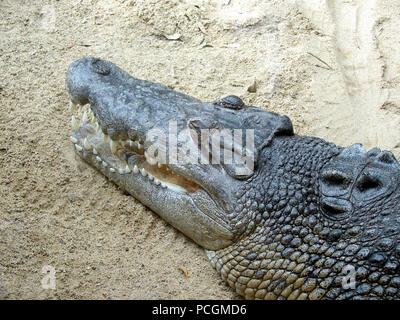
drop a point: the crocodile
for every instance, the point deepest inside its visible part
(295, 217)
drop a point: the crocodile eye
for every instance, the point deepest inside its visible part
(101, 67)
(230, 102)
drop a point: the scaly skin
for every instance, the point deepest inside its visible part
(310, 218)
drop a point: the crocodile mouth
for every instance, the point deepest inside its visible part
(123, 156)
(112, 115)
(178, 199)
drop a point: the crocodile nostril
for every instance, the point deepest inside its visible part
(376, 180)
(335, 178)
(367, 183)
(333, 210)
(336, 208)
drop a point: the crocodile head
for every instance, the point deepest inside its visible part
(133, 131)
(280, 216)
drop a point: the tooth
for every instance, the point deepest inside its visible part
(84, 117)
(143, 172)
(87, 145)
(131, 143)
(150, 177)
(121, 171)
(74, 123)
(104, 164)
(78, 147)
(158, 164)
(112, 170)
(127, 169)
(94, 151)
(98, 159)
(135, 169)
(139, 146)
(156, 182)
(73, 139)
(113, 146)
(163, 185)
(71, 106)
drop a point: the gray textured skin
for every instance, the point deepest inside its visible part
(284, 232)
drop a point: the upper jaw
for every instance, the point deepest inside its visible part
(124, 110)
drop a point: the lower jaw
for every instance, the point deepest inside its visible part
(179, 201)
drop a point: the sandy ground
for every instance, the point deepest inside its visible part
(332, 66)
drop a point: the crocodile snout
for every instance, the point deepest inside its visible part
(355, 177)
